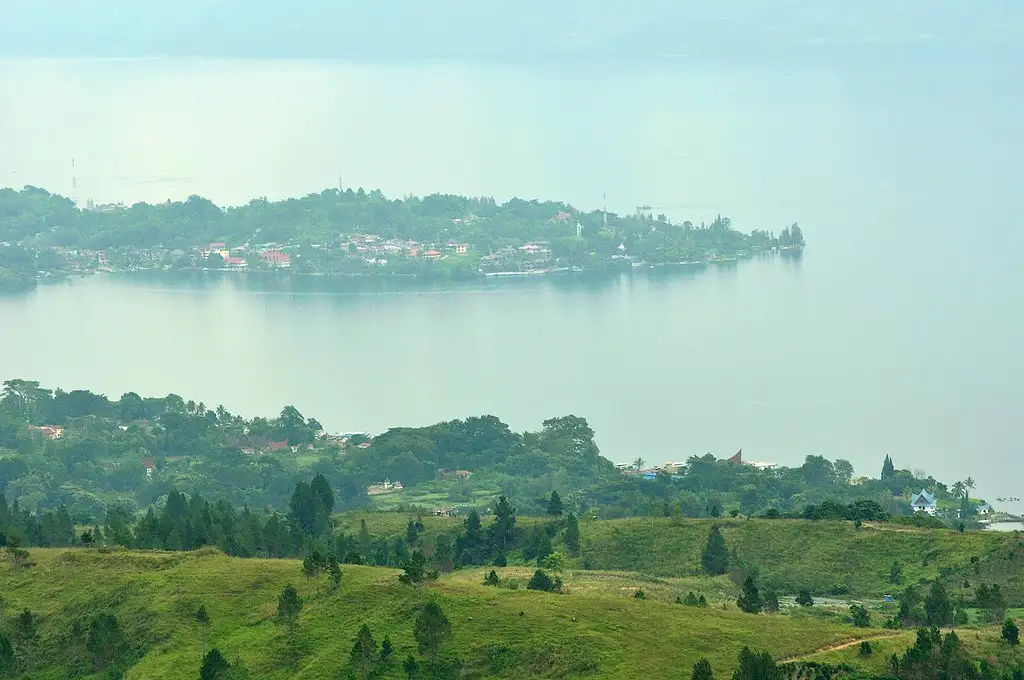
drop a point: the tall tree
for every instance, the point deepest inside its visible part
(431, 630)
(555, 505)
(938, 607)
(715, 558)
(750, 599)
(289, 604)
(502, 531)
(756, 666)
(364, 652)
(1011, 633)
(888, 469)
(571, 535)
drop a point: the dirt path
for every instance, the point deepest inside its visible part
(841, 645)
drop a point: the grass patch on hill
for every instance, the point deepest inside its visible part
(597, 630)
(831, 558)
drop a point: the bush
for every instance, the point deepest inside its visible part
(865, 648)
(541, 581)
(1011, 633)
(804, 598)
(860, 616)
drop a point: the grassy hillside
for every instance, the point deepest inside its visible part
(596, 630)
(829, 557)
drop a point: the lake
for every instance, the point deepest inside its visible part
(899, 329)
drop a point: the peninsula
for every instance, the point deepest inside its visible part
(355, 233)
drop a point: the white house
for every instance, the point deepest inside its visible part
(923, 502)
(985, 509)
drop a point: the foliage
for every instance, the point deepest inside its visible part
(289, 604)
(364, 654)
(715, 558)
(542, 581)
(859, 616)
(937, 605)
(431, 630)
(555, 508)
(702, 670)
(571, 535)
(804, 598)
(1011, 633)
(416, 570)
(750, 599)
(215, 666)
(756, 666)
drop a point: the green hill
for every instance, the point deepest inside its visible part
(830, 558)
(598, 629)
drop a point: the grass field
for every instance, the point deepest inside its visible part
(830, 558)
(598, 629)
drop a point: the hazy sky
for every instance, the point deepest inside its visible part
(523, 28)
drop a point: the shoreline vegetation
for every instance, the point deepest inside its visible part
(356, 234)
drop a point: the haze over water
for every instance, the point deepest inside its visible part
(898, 331)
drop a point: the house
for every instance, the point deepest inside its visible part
(459, 248)
(432, 254)
(235, 262)
(984, 509)
(275, 258)
(923, 502)
(277, 446)
(150, 466)
(48, 431)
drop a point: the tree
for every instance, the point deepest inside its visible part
(756, 666)
(702, 670)
(386, 649)
(571, 535)
(105, 639)
(431, 631)
(843, 470)
(6, 655)
(492, 579)
(938, 608)
(715, 558)
(771, 600)
(750, 599)
(411, 667)
(888, 469)
(333, 571)
(803, 598)
(289, 604)
(896, 573)
(416, 571)
(364, 652)
(502, 531)
(639, 463)
(215, 666)
(26, 627)
(203, 619)
(1011, 633)
(312, 565)
(860, 616)
(555, 505)
(541, 581)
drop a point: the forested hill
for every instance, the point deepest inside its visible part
(37, 217)
(89, 453)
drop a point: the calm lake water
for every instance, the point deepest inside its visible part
(898, 331)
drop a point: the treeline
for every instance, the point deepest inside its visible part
(132, 451)
(42, 218)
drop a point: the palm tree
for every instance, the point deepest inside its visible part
(969, 485)
(639, 463)
(958, 489)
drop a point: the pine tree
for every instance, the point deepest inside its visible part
(715, 558)
(289, 604)
(215, 666)
(750, 599)
(386, 649)
(364, 652)
(702, 670)
(888, 469)
(571, 535)
(203, 619)
(555, 505)
(431, 630)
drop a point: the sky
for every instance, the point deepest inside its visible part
(497, 28)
